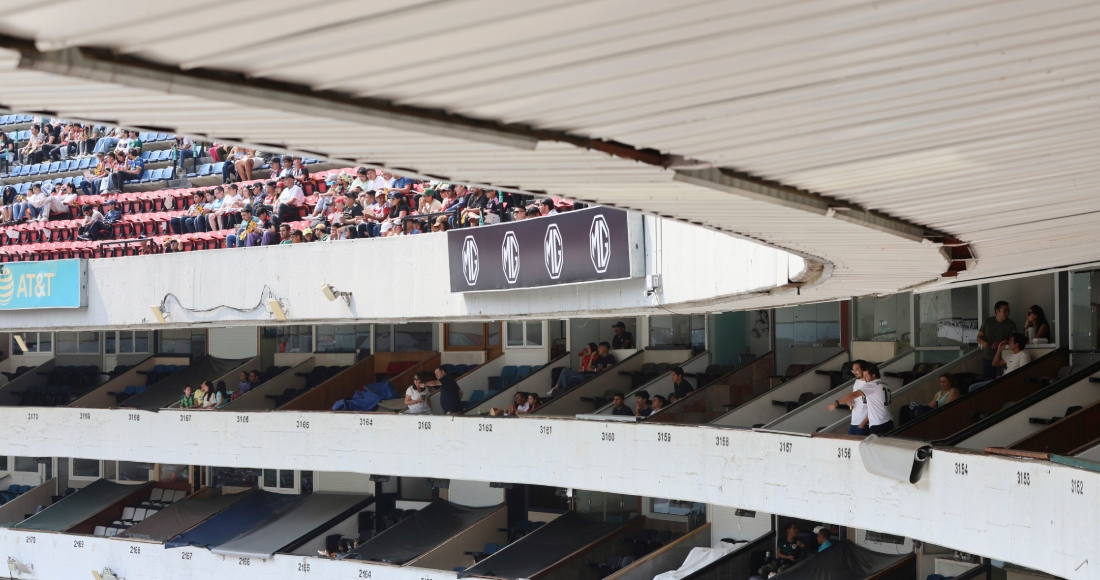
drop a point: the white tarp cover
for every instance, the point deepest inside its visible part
(699, 557)
(900, 459)
(316, 511)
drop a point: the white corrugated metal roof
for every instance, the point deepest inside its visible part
(973, 118)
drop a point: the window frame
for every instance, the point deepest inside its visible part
(524, 333)
(72, 469)
(465, 347)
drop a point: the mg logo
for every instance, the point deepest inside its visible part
(599, 244)
(509, 257)
(470, 261)
(553, 254)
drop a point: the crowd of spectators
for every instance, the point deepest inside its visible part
(210, 396)
(796, 547)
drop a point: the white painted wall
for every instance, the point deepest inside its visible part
(474, 493)
(725, 523)
(294, 274)
(237, 342)
(1051, 524)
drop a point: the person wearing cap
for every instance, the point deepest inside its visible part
(92, 227)
(439, 224)
(428, 203)
(399, 208)
(270, 236)
(622, 338)
(320, 233)
(111, 212)
(289, 200)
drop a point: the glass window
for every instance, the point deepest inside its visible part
(26, 465)
(279, 478)
(37, 342)
(494, 333)
(524, 333)
(128, 341)
(176, 341)
(110, 341)
(66, 343)
(948, 317)
(85, 468)
(295, 338)
(134, 471)
(383, 338)
(343, 338)
(412, 336)
(174, 473)
(3, 462)
(141, 342)
(88, 342)
(676, 507)
(544, 498)
(469, 335)
(882, 318)
(678, 330)
(307, 482)
(234, 477)
(808, 325)
(415, 489)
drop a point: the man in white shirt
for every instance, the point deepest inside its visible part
(1016, 358)
(875, 395)
(378, 183)
(32, 150)
(859, 410)
(291, 198)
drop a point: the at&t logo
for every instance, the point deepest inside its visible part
(509, 257)
(470, 262)
(553, 254)
(599, 244)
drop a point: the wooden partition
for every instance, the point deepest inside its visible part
(101, 397)
(17, 509)
(718, 398)
(256, 399)
(570, 403)
(539, 381)
(666, 558)
(761, 410)
(493, 528)
(575, 566)
(970, 408)
(1072, 434)
(662, 383)
(341, 386)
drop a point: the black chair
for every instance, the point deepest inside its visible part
(792, 405)
(20, 371)
(837, 378)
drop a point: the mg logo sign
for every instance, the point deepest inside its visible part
(509, 257)
(470, 261)
(553, 254)
(599, 243)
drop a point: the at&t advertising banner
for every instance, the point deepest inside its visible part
(51, 284)
(588, 245)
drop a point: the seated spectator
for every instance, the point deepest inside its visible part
(176, 224)
(307, 235)
(131, 171)
(221, 395)
(243, 385)
(824, 541)
(533, 212)
(672, 398)
(290, 199)
(187, 401)
(32, 208)
(172, 246)
(659, 402)
(618, 405)
(249, 232)
(520, 404)
(428, 203)
(416, 398)
(270, 236)
(533, 403)
(519, 213)
(641, 407)
(790, 551)
(93, 227)
(569, 378)
(995, 329)
(297, 237)
(60, 200)
(206, 398)
(949, 391)
(1017, 357)
(680, 385)
(184, 149)
(450, 394)
(622, 338)
(1036, 325)
(546, 207)
(320, 233)
(440, 224)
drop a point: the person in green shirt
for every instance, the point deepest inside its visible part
(135, 142)
(188, 399)
(995, 329)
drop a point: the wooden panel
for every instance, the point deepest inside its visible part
(721, 396)
(341, 386)
(101, 397)
(968, 409)
(1065, 436)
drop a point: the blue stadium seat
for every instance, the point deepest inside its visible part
(85, 163)
(217, 168)
(205, 169)
(507, 377)
(523, 372)
(476, 398)
(54, 167)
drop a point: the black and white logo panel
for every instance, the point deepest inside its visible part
(509, 257)
(553, 253)
(588, 245)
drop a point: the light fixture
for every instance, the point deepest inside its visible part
(438, 483)
(276, 309)
(380, 478)
(18, 568)
(106, 574)
(22, 343)
(500, 485)
(332, 294)
(159, 313)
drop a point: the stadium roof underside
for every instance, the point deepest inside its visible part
(902, 144)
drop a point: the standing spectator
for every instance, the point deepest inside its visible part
(1036, 325)
(996, 328)
(416, 398)
(859, 422)
(618, 406)
(876, 396)
(450, 394)
(642, 407)
(622, 338)
(680, 385)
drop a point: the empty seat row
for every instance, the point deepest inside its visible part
(15, 119)
(510, 375)
(14, 491)
(133, 515)
(127, 393)
(51, 396)
(162, 498)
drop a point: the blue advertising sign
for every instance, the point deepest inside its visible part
(51, 284)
